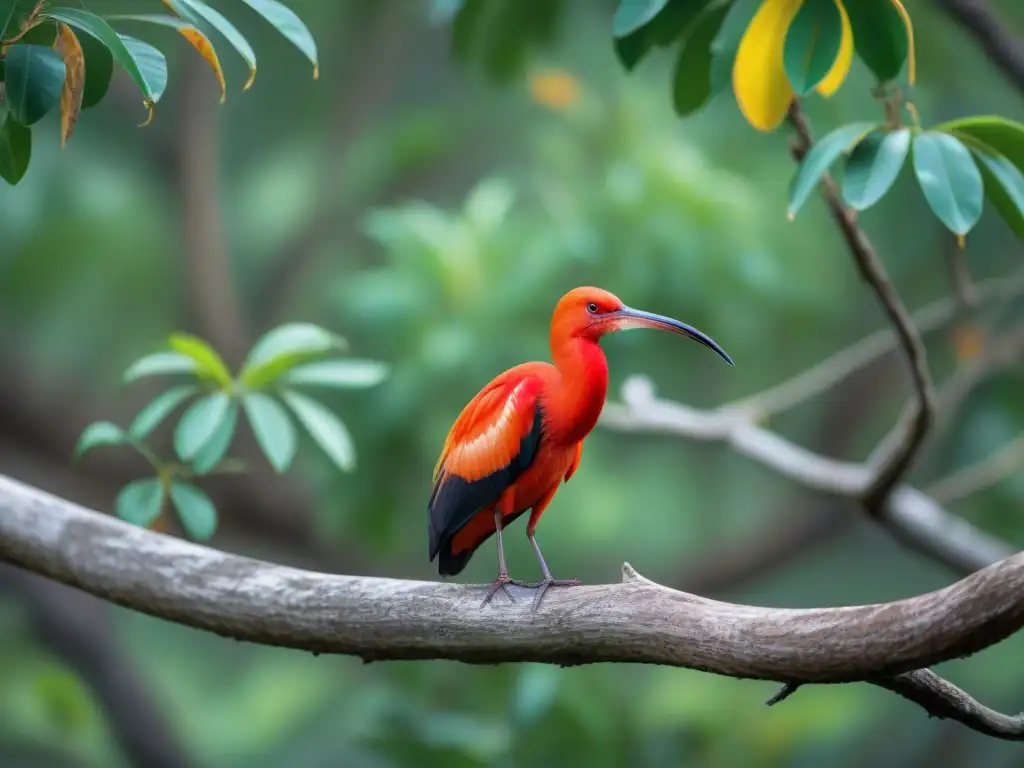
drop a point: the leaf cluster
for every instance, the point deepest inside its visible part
(54, 53)
(284, 361)
(957, 165)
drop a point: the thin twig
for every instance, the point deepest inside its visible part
(899, 453)
(994, 35)
(633, 621)
(911, 516)
(981, 475)
(822, 376)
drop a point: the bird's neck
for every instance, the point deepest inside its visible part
(581, 389)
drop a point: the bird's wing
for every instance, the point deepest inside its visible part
(575, 462)
(490, 444)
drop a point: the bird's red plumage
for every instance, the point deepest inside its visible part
(522, 435)
(486, 435)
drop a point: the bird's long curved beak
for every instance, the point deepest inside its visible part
(627, 317)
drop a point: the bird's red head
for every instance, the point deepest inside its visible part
(590, 313)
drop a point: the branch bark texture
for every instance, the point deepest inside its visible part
(634, 621)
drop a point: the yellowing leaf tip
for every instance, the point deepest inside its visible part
(149, 105)
(252, 77)
(911, 59)
(316, 72)
(840, 69)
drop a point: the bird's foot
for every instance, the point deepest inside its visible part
(502, 583)
(542, 588)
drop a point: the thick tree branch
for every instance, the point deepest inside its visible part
(896, 453)
(992, 33)
(912, 516)
(635, 621)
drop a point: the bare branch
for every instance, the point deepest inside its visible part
(823, 376)
(635, 621)
(993, 34)
(897, 453)
(999, 355)
(796, 526)
(943, 699)
(980, 475)
(912, 516)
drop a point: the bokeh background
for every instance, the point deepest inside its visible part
(433, 217)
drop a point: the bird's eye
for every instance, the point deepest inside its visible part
(591, 307)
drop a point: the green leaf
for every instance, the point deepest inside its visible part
(205, 356)
(879, 36)
(144, 64)
(213, 450)
(691, 85)
(274, 431)
(284, 20)
(199, 423)
(100, 433)
(99, 68)
(196, 511)
(873, 166)
(140, 501)
(151, 57)
(15, 149)
(7, 10)
(35, 78)
(325, 428)
(633, 14)
(1004, 184)
(999, 133)
(158, 363)
(285, 347)
(152, 64)
(158, 409)
(727, 41)
(198, 12)
(343, 374)
(817, 162)
(812, 44)
(949, 179)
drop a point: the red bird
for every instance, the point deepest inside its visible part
(522, 435)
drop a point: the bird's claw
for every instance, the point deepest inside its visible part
(542, 588)
(502, 583)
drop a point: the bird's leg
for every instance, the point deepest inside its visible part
(503, 580)
(548, 581)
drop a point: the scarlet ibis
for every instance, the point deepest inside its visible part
(522, 436)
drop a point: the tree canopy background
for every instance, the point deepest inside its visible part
(433, 216)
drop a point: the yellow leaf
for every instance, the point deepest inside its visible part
(149, 113)
(759, 80)
(911, 61)
(554, 88)
(202, 43)
(67, 45)
(844, 59)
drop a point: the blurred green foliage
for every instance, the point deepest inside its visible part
(460, 213)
